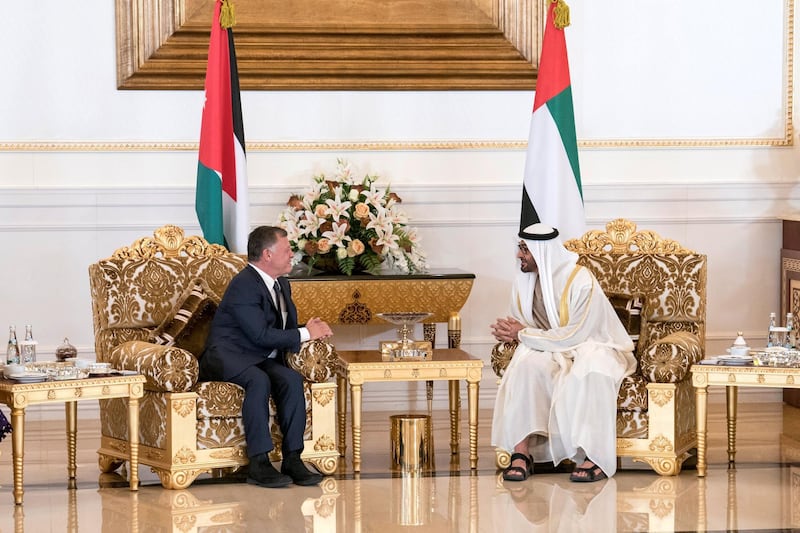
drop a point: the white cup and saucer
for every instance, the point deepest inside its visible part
(739, 351)
(738, 354)
(13, 370)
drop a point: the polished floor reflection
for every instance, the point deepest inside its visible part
(761, 494)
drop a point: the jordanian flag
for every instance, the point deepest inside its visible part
(221, 201)
(551, 192)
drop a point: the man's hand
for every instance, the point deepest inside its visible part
(506, 329)
(318, 329)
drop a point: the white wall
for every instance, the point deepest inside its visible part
(85, 168)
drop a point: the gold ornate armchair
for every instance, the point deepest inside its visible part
(658, 289)
(152, 304)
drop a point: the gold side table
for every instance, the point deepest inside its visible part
(18, 396)
(354, 368)
(732, 377)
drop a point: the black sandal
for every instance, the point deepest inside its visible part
(593, 473)
(517, 472)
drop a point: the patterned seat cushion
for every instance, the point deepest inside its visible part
(669, 359)
(314, 361)
(188, 323)
(166, 368)
(219, 415)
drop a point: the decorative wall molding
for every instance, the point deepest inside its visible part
(402, 146)
(430, 205)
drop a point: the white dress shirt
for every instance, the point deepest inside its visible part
(270, 283)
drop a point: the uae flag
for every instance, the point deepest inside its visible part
(221, 200)
(551, 192)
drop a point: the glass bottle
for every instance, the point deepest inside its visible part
(790, 334)
(771, 331)
(12, 352)
(28, 346)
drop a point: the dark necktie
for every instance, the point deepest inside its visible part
(279, 302)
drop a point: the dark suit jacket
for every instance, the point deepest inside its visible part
(247, 327)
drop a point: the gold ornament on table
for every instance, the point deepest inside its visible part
(343, 224)
(405, 348)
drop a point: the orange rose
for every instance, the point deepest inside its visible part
(361, 211)
(324, 246)
(321, 210)
(355, 247)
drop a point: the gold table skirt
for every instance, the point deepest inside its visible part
(358, 299)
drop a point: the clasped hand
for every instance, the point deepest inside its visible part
(318, 329)
(506, 329)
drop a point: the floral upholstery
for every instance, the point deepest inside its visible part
(658, 289)
(152, 304)
(669, 359)
(166, 368)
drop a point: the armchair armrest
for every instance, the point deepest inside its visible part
(669, 359)
(166, 368)
(315, 360)
(502, 352)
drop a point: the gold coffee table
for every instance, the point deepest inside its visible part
(732, 377)
(18, 396)
(358, 367)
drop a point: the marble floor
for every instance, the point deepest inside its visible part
(762, 493)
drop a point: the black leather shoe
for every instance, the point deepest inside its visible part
(262, 473)
(293, 467)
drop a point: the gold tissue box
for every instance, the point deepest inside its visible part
(410, 351)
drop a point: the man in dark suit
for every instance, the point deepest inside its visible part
(253, 328)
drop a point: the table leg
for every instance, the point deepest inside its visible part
(133, 442)
(18, 449)
(472, 399)
(429, 334)
(701, 398)
(455, 408)
(355, 402)
(341, 412)
(731, 395)
(429, 394)
(71, 412)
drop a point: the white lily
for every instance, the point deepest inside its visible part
(310, 225)
(388, 239)
(343, 171)
(336, 207)
(338, 235)
(396, 215)
(374, 196)
(380, 221)
(293, 231)
(311, 196)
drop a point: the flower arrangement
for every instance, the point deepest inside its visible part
(345, 224)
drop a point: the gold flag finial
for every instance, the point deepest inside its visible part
(560, 14)
(227, 16)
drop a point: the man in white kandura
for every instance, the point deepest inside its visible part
(558, 397)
